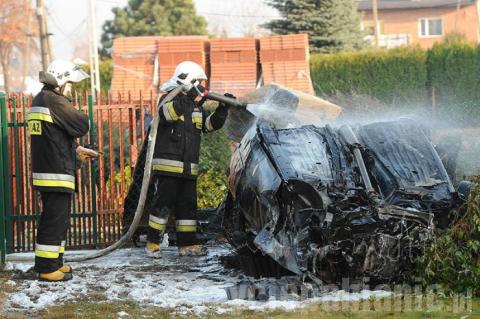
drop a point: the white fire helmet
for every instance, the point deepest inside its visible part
(62, 72)
(188, 74)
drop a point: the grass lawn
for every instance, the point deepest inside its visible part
(96, 307)
(360, 310)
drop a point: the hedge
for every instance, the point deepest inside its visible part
(454, 72)
(407, 75)
(393, 76)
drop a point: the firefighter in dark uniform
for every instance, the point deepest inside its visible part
(53, 125)
(175, 163)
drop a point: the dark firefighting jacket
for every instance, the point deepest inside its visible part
(182, 122)
(53, 124)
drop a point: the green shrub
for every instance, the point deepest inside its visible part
(214, 159)
(106, 74)
(454, 258)
(454, 72)
(212, 188)
(396, 76)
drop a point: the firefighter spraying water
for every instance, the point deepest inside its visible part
(171, 153)
(176, 157)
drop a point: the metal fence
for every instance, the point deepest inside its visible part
(117, 127)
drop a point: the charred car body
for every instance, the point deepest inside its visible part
(331, 203)
(322, 201)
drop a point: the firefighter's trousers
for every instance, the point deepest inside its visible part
(52, 231)
(174, 196)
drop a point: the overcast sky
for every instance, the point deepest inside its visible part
(67, 20)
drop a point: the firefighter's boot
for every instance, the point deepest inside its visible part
(153, 250)
(54, 276)
(66, 269)
(192, 250)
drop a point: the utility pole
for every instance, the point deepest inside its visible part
(49, 46)
(26, 50)
(44, 47)
(93, 50)
(375, 21)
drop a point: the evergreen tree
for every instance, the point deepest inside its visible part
(153, 17)
(332, 25)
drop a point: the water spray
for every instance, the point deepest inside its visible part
(147, 173)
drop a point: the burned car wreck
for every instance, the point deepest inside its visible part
(334, 202)
(317, 199)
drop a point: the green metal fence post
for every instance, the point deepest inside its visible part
(3, 243)
(93, 175)
(6, 178)
(16, 207)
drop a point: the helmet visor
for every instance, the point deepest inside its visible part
(77, 75)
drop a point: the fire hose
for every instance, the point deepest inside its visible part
(143, 193)
(147, 174)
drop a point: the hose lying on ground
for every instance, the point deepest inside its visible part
(143, 193)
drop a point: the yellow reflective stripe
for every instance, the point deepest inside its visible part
(158, 220)
(53, 183)
(186, 229)
(168, 168)
(39, 109)
(173, 166)
(157, 223)
(197, 117)
(165, 165)
(198, 123)
(194, 169)
(167, 162)
(156, 226)
(186, 222)
(62, 246)
(171, 111)
(47, 247)
(54, 176)
(47, 254)
(39, 116)
(166, 114)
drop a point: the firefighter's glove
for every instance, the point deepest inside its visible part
(86, 153)
(224, 105)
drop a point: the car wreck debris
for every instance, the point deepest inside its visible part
(328, 203)
(324, 201)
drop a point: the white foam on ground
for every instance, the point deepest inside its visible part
(187, 285)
